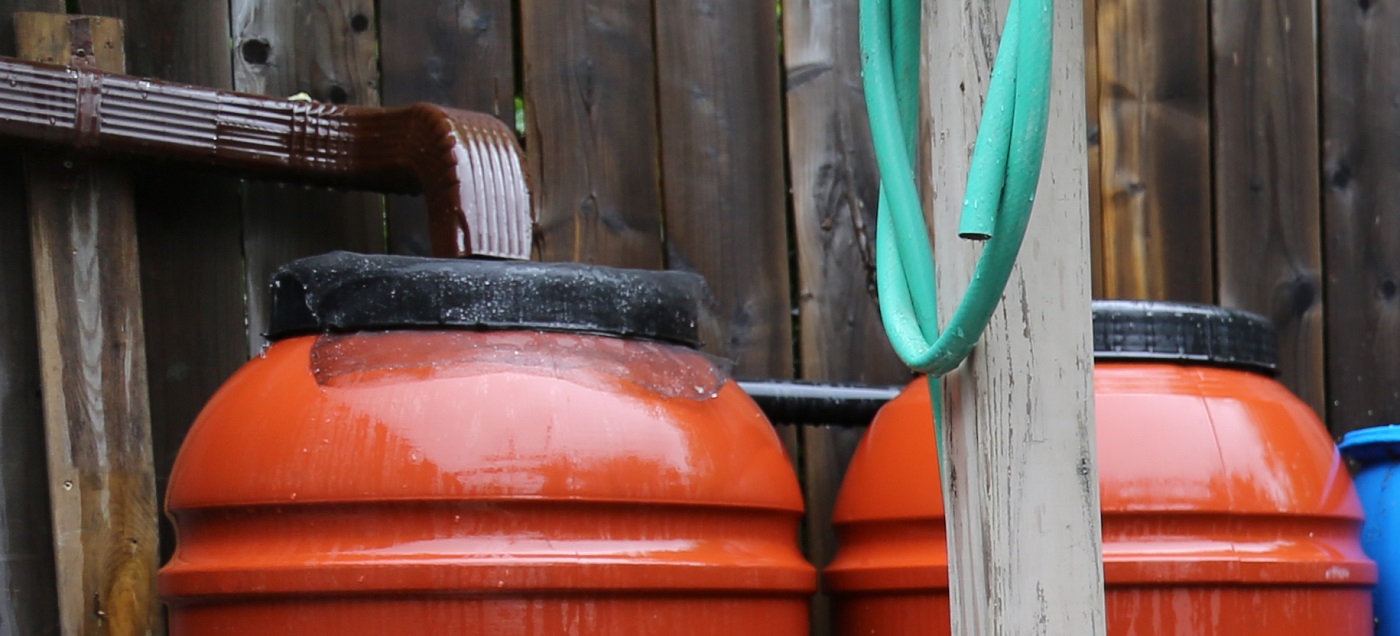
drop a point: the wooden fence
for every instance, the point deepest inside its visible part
(1240, 153)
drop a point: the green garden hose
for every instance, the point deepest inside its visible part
(1001, 184)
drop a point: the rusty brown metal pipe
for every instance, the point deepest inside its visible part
(467, 165)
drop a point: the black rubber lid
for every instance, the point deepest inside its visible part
(341, 292)
(1182, 332)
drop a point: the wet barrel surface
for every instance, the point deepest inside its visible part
(1226, 508)
(491, 479)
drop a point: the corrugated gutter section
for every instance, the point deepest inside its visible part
(467, 165)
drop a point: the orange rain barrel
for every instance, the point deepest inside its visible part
(468, 447)
(1226, 508)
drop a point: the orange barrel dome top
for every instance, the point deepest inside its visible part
(1226, 508)
(467, 447)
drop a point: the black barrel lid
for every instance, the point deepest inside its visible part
(342, 291)
(1183, 332)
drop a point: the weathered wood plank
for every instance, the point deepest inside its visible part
(28, 604)
(1155, 144)
(159, 36)
(1023, 501)
(591, 130)
(835, 192)
(190, 236)
(327, 49)
(1361, 166)
(457, 53)
(92, 351)
(1268, 214)
(722, 172)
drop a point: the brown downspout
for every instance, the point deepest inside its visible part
(467, 165)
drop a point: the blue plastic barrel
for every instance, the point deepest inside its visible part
(1377, 452)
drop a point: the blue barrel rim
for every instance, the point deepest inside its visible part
(1373, 444)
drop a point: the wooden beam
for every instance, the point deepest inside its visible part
(87, 284)
(1023, 497)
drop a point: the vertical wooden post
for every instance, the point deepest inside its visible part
(191, 237)
(92, 353)
(1023, 497)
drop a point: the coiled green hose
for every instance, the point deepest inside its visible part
(1001, 184)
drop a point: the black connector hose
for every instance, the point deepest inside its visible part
(794, 402)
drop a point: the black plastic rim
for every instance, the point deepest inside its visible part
(343, 292)
(1183, 332)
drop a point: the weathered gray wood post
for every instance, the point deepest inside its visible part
(1023, 497)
